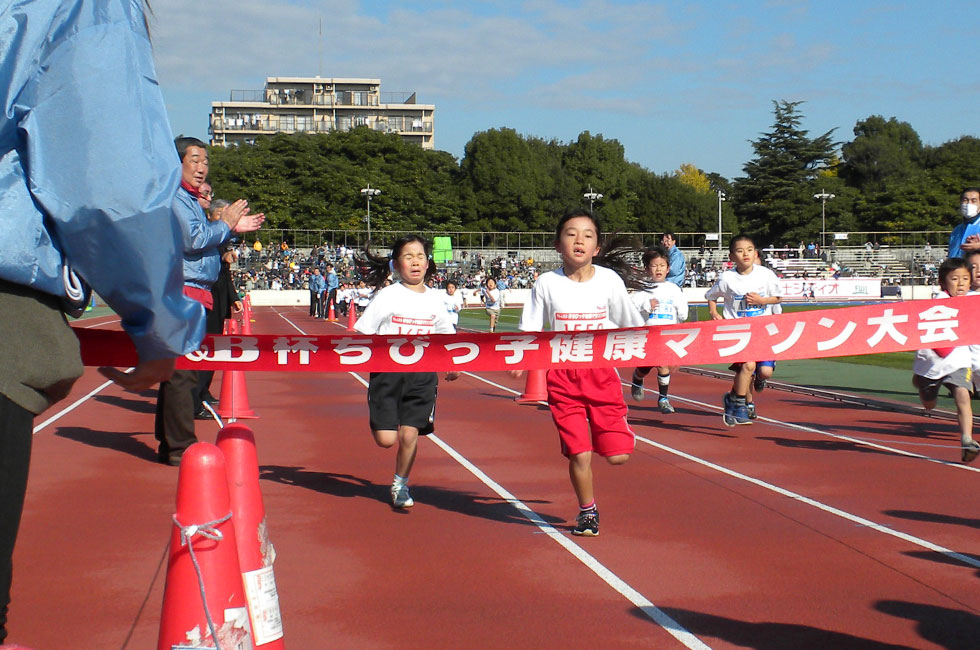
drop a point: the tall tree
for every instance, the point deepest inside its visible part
(774, 200)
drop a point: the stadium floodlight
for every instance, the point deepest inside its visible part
(369, 192)
(823, 196)
(592, 197)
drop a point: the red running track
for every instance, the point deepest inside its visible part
(812, 528)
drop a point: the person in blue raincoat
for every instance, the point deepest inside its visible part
(88, 175)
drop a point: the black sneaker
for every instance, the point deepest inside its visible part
(759, 384)
(587, 524)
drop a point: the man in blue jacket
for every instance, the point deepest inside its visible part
(316, 293)
(88, 176)
(965, 238)
(202, 240)
(331, 284)
(675, 257)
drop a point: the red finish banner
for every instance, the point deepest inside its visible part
(889, 327)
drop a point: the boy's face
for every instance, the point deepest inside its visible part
(743, 255)
(657, 269)
(957, 283)
(974, 262)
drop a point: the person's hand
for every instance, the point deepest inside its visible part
(143, 376)
(237, 307)
(972, 239)
(452, 375)
(754, 299)
(716, 316)
(233, 213)
(250, 222)
(653, 304)
(515, 374)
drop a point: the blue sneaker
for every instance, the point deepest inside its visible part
(729, 416)
(736, 411)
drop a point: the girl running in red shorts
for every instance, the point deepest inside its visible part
(587, 405)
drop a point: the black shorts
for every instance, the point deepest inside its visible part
(397, 398)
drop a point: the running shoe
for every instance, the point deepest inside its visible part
(636, 390)
(971, 451)
(400, 498)
(750, 409)
(665, 406)
(587, 524)
(759, 383)
(728, 417)
(740, 412)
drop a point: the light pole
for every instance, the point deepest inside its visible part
(721, 197)
(370, 193)
(592, 197)
(823, 196)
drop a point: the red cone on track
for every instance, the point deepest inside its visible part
(233, 388)
(535, 389)
(351, 316)
(255, 552)
(203, 510)
(331, 315)
(246, 322)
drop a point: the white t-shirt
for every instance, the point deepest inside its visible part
(453, 304)
(671, 304)
(491, 298)
(397, 309)
(566, 305)
(733, 286)
(363, 296)
(929, 364)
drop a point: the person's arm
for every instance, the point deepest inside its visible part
(107, 184)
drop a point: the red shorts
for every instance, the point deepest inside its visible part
(589, 410)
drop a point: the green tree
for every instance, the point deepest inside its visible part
(774, 198)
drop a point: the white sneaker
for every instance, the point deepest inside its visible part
(400, 497)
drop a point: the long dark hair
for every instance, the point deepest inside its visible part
(616, 252)
(375, 269)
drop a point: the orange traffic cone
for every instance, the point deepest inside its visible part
(331, 316)
(255, 552)
(246, 322)
(203, 601)
(535, 389)
(351, 316)
(233, 389)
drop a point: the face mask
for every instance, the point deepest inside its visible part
(969, 210)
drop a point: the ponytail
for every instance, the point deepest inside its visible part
(619, 254)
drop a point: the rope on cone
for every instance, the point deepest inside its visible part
(208, 530)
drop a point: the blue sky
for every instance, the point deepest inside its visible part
(674, 82)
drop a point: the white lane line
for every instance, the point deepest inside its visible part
(918, 541)
(858, 441)
(965, 559)
(69, 409)
(660, 617)
(108, 322)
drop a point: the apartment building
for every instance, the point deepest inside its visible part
(319, 105)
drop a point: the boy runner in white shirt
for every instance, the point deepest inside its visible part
(661, 304)
(748, 290)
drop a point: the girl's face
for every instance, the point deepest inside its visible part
(974, 262)
(412, 263)
(450, 289)
(657, 269)
(491, 284)
(957, 282)
(578, 242)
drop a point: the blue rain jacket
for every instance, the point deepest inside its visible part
(88, 169)
(202, 239)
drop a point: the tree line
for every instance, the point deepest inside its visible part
(884, 179)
